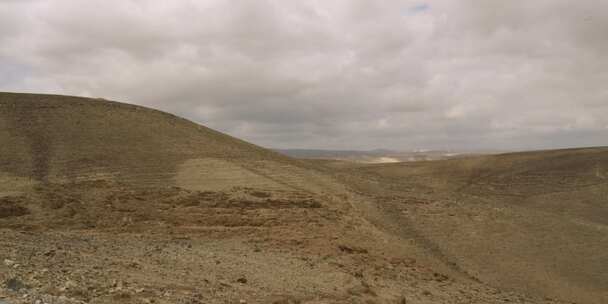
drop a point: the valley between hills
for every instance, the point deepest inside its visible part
(106, 202)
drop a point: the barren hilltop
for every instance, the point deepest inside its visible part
(104, 202)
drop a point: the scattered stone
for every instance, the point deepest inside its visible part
(241, 301)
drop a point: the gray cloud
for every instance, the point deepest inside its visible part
(330, 74)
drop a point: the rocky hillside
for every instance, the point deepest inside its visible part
(102, 202)
(535, 222)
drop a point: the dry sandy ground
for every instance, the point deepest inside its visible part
(97, 242)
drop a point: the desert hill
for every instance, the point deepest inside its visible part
(531, 221)
(103, 202)
(51, 138)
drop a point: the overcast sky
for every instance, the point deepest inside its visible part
(465, 74)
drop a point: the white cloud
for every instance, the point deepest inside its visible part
(330, 74)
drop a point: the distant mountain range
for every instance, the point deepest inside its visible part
(380, 155)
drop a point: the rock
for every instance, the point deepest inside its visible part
(440, 277)
(14, 285)
(358, 290)
(352, 249)
(242, 280)
(241, 301)
(224, 283)
(9, 263)
(361, 289)
(69, 284)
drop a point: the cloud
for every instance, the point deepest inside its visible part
(330, 74)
